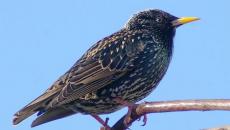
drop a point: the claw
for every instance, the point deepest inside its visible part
(101, 121)
(144, 120)
(107, 121)
(128, 115)
(130, 107)
(145, 117)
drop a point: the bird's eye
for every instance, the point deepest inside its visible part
(158, 19)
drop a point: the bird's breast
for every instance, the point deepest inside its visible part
(150, 66)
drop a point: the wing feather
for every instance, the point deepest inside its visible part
(105, 62)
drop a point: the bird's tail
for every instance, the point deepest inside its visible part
(39, 104)
(25, 113)
(53, 114)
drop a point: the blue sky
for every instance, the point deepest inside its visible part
(40, 40)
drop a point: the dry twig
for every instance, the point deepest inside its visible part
(219, 128)
(172, 106)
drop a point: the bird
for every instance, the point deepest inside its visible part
(127, 65)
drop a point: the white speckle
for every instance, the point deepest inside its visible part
(138, 37)
(132, 75)
(132, 40)
(122, 46)
(141, 61)
(122, 86)
(156, 48)
(116, 90)
(107, 99)
(111, 60)
(119, 93)
(136, 82)
(141, 68)
(103, 92)
(125, 38)
(116, 42)
(123, 42)
(149, 65)
(100, 101)
(126, 82)
(109, 45)
(155, 39)
(113, 94)
(117, 49)
(120, 57)
(111, 52)
(151, 60)
(104, 54)
(136, 57)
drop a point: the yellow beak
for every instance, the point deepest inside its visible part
(183, 20)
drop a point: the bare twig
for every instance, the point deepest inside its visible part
(219, 128)
(172, 106)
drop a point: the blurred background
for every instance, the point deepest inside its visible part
(41, 40)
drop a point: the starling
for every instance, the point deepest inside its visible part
(128, 64)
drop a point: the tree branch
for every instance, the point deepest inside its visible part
(219, 128)
(172, 106)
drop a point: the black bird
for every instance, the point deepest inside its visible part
(128, 65)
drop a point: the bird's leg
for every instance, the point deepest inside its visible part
(145, 119)
(130, 107)
(101, 121)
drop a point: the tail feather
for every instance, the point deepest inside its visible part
(51, 115)
(41, 103)
(24, 113)
(33, 107)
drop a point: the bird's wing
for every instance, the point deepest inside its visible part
(107, 61)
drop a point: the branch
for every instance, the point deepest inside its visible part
(219, 128)
(171, 106)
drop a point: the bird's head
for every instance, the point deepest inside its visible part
(157, 20)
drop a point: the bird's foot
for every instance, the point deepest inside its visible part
(128, 116)
(101, 121)
(130, 106)
(144, 120)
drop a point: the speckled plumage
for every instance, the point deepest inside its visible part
(128, 64)
(138, 67)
